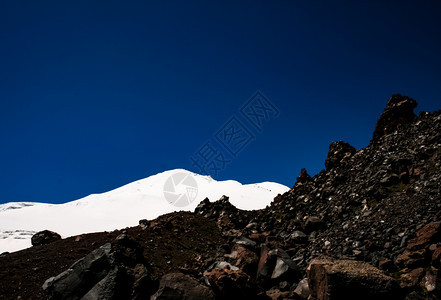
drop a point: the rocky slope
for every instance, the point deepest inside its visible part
(368, 226)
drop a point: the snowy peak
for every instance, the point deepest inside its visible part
(146, 198)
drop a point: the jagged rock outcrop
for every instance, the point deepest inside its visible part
(339, 152)
(304, 177)
(227, 216)
(398, 113)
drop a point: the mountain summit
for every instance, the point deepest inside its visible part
(143, 199)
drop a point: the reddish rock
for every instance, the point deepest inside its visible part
(411, 258)
(275, 294)
(436, 257)
(412, 278)
(243, 258)
(260, 237)
(180, 286)
(428, 234)
(347, 279)
(386, 264)
(233, 284)
(263, 266)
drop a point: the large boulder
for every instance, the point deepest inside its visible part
(232, 284)
(275, 266)
(398, 112)
(348, 279)
(285, 268)
(302, 289)
(243, 258)
(44, 237)
(179, 286)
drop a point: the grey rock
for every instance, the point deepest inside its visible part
(298, 237)
(113, 271)
(244, 241)
(302, 289)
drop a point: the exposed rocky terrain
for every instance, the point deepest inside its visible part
(368, 226)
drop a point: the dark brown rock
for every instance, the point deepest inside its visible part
(426, 235)
(338, 153)
(313, 224)
(264, 264)
(179, 286)
(45, 237)
(243, 258)
(412, 258)
(347, 279)
(398, 112)
(276, 294)
(232, 284)
(411, 279)
(114, 271)
(304, 177)
(386, 264)
(436, 257)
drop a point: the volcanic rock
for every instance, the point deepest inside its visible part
(338, 153)
(244, 258)
(232, 284)
(285, 268)
(313, 224)
(176, 286)
(304, 177)
(302, 289)
(347, 279)
(44, 237)
(114, 271)
(398, 112)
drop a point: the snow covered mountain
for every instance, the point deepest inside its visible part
(122, 207)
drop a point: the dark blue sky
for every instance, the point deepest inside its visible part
(96, 94)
